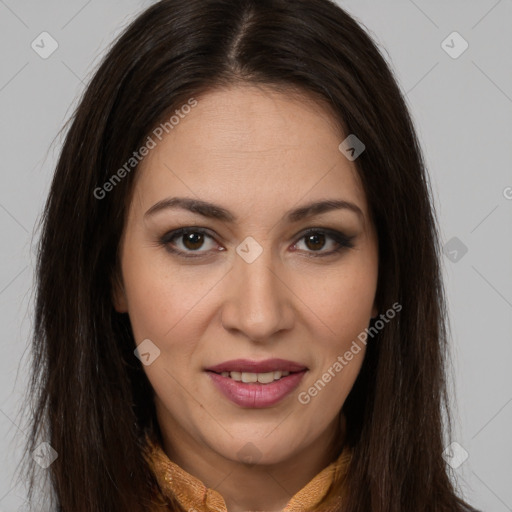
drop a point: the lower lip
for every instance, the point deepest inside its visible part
(255, 395)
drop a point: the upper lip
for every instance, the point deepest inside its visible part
(247, 365)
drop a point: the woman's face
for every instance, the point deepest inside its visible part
(246, 282)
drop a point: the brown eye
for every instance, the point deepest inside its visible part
(324, 242)
(193, 241)
(187, 241)
(315, 241)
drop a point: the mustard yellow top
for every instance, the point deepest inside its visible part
(193, 495)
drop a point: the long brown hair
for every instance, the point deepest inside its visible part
(93, 402)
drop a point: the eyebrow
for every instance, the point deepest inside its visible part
(213, 211)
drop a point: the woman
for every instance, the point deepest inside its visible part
(239, 302)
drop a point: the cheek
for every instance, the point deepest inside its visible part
(342, 302)
(160, 298)
(170, 306)
(161, 306)
(349, 310)
(342, 306)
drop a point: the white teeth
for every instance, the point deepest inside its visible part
(249, 377)
(265, 378)
(262, 378)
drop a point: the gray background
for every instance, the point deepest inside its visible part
(462, 109)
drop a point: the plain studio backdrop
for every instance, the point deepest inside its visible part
(452, 60)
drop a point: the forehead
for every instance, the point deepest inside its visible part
(251, 144)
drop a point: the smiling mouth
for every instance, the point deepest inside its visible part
(256, 390)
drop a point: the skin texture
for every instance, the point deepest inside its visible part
(257, 153)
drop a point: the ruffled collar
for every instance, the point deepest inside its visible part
(176, 483)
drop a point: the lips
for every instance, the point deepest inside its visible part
(256, 384)
(248, 366)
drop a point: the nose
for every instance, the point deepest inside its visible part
(259, 303)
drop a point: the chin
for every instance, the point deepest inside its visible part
(255, 447)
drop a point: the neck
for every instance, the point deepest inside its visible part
(245, 487)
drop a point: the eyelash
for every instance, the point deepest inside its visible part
(343, 241)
